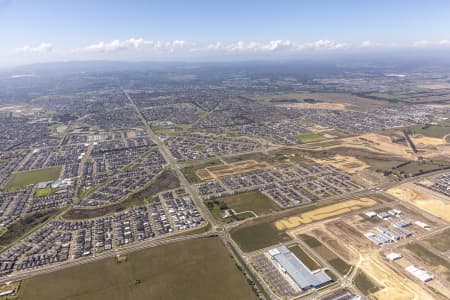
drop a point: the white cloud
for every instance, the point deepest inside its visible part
(422, 43)
(139, 48)
(134, 44)
(325, 45)
(41, 48)
(427, 43)
(191, 47)
(116, 45)
(372, 44)
(275, 45)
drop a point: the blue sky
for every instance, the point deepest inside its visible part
(43, 30)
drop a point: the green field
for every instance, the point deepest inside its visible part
(308, 137)
(335, 261)
(249, 201)
(364, 284)
(193, 269)
(44, 192)
(436, 131)
(160, 129)
(23, 179)
(415, 168)
(256, 236)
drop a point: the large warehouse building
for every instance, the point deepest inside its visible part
(294, 267)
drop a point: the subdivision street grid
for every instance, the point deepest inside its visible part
(315, 195)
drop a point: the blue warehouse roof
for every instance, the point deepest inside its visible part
(302, 275)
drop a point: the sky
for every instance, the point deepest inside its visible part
(59, 30)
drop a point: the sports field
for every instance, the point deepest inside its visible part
(22, 179)
(193, 269)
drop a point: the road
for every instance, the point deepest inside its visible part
(174, 166)
(124, 250)
(224, 235)
(356, 194)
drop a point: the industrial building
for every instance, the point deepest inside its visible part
(419, 273)
(393, 256)
(297, 271)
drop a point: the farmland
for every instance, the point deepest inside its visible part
(195, 269)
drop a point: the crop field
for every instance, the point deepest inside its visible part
(324, 213)
(22, 179)
(194, 269)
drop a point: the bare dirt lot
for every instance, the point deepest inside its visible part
(347, 164)
(230, 169)
(421, 140)
(435, 86)
(396, 286)
(345, 98)
(329, 211)
(422, 199)
(353, 245)
(393, 284)
(320, 105)
(378, 143)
